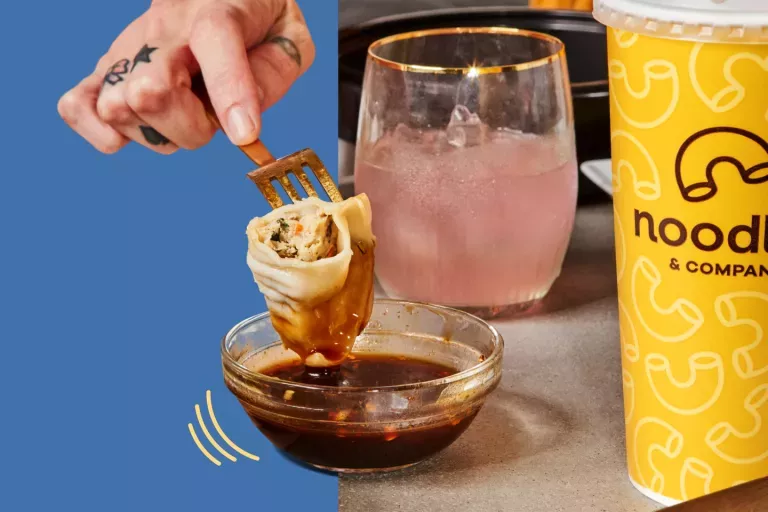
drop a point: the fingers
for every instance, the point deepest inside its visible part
(78, 109)
(218, 43)
(113, 108)
(144, 94)
(149, 100)
(242, 84)
(286, 54)
(160, 95)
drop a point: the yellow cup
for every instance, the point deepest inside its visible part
(690, 169)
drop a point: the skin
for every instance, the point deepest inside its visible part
(249, 53)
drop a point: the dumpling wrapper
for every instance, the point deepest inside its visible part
(318, 308)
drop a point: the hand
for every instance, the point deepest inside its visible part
(249, 53)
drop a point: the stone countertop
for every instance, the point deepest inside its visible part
(551, 437)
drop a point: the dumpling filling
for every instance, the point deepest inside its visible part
(313, 261)
(308, 237)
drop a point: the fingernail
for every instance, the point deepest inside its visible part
(240, 127)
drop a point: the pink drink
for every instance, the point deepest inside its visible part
(471, 226)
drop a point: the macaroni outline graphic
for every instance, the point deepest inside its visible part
(221, 432)
(618, 71)
(699, 469)
(754, 175)
(722, 432)
(697, 363)
(621, 246)
(672, 447)
(631, 350)
(734, 85)
(201, 447)
(648, 190)
(622, 40)
(210, 438)
(629, 393)
(728, 315)
(683, 307)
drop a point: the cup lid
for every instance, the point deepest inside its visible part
(728, 21)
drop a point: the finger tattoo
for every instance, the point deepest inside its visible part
(143, 56)
(288, 47)
(115, 73)
(152, 136)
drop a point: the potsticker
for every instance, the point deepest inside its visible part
(313, 261)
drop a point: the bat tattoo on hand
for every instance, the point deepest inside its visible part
(120, 68)
(142, 56)
(115, 74)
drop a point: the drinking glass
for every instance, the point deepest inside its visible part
(466, 149)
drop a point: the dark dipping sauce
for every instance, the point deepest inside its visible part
(363, 371)
(349, 440)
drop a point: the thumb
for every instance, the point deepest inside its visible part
(218, 44)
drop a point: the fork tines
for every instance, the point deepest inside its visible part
(295, 163)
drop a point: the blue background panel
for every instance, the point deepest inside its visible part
(118, 277)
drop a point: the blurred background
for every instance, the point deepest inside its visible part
(363, 22)
(357, 11)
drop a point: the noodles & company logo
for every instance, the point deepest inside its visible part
(700, 191)
(697, 185)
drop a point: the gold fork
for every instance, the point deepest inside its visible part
(271, 170)
(279, 170)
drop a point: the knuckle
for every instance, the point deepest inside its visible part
(113, 109)
(147, 94)
(207, 21)
(69, 107)
(213, 19)
(307, 46)
(295, 9)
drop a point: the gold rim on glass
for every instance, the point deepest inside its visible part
(469, 69)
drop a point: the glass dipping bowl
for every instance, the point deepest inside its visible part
(369, 429)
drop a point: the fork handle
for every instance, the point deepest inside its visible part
(256, 151)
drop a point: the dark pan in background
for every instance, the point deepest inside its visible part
(585, 44)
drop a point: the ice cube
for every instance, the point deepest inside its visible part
(465, 128)
(462, 115)
(456, 136)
